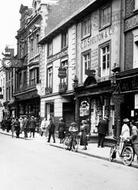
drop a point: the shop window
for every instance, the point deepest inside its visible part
(50, 49)
(86, 63)
(105, 59)
(64, 40)
(86, 28)
(105, 16)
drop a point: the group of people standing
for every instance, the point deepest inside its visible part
(23, 124)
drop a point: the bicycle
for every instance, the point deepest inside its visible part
(126, 153)
(71, 142)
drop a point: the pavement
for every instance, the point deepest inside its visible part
(92, 149)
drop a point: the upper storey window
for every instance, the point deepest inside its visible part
(50, 49)
(136, 4)
(86, 28)
(105, 16)
(64, 40)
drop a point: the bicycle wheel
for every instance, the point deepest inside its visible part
(112, 154)
(127, 155)
(75, 145)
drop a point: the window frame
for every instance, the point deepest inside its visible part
(101, 11)
(48, 83)
(135, 5)
(83, 24)
(50, 52)
(107, 68)
(83, 68)
(64, 80)
(64, 40)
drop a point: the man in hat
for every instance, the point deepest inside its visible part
(102, 131)
(125, 133)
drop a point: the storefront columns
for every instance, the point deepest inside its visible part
(118, 99)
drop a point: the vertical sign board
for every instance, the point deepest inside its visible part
(136, 101)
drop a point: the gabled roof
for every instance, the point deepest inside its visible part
(64, 11)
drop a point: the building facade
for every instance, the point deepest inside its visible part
(98, 53)
(2, 91)
(127, 80)
(9, 103)
(79, 54)
(28, 58)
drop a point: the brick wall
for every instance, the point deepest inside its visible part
(128, 51)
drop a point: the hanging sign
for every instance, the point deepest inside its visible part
(62, 72)
(84, 108)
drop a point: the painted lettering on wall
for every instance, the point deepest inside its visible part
(97, 38)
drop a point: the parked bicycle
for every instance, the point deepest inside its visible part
(126, 153)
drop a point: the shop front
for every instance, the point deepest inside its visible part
(126, 97)
(28, 104)
(93, 102)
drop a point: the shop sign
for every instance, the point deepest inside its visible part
(62, 72)
(84, 108)
(136, 101)
(129, 84)
(131, 23)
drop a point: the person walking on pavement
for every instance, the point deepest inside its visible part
(134, 137)
(61, 130)
(25, 126)
(102, 131)
(32, 126)
(83, 136)
(21, 123)
(51, 130)
(43, 127)
(12, 126)
(17, 127)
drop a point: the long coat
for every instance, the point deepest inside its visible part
(103, 127)
(61, 129)
(51, 128)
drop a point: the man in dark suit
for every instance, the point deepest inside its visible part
(102, 131)
(51, 129)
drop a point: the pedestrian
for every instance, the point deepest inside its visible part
(25, 126)
(83, 136)
(134, 137)
(32, 126)
(73, 129)
(61, 130)
(21, 123)
(8, 124)
(51, 130)
(43, 127)
(125, 133)
(102, 131)
(12, 126)
(17, 127)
